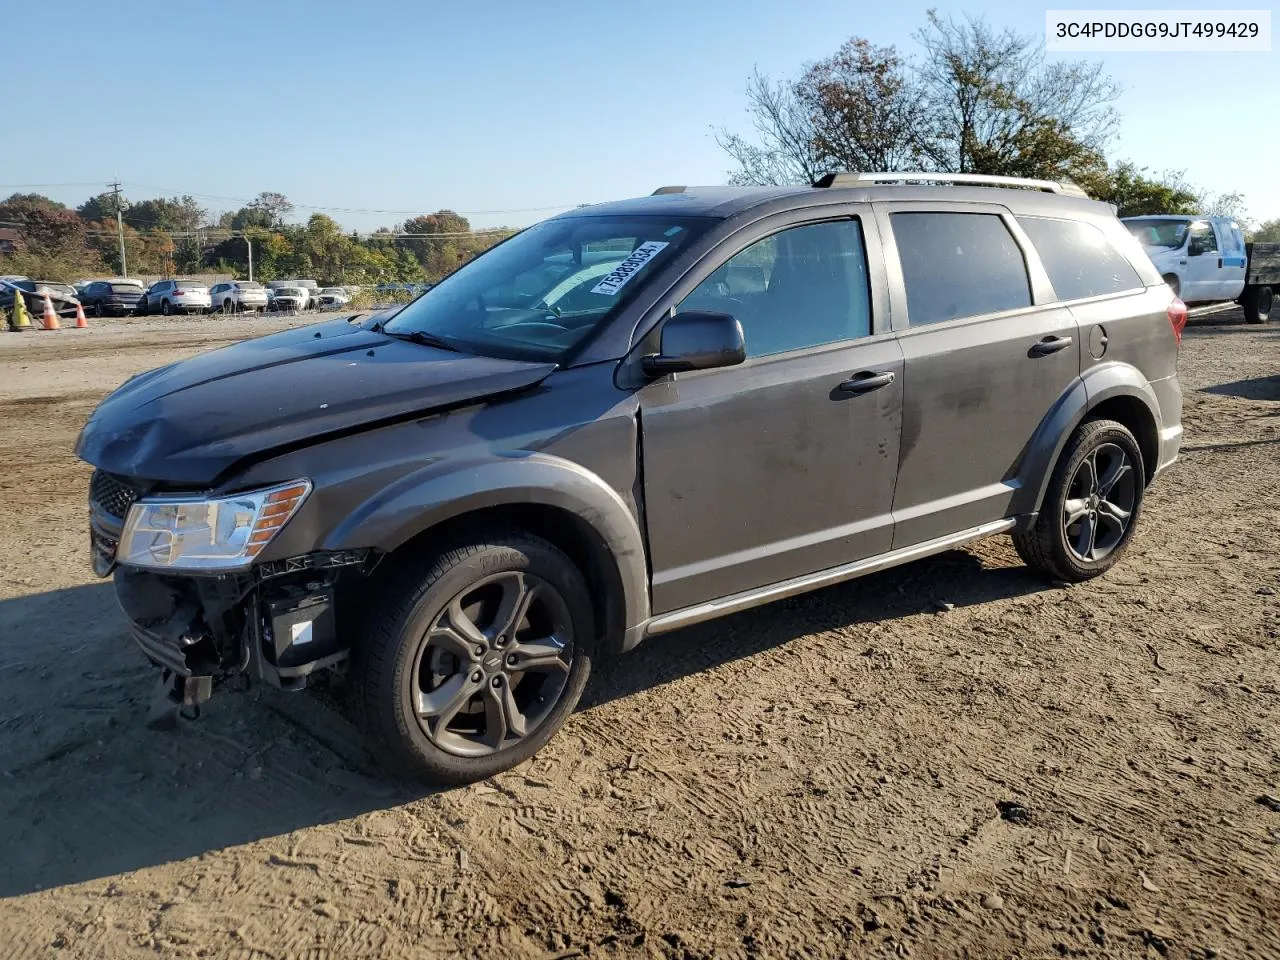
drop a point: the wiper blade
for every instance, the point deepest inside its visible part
(425, 339)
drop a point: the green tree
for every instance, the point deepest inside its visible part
(1266, 232)
(100, 208)
(328, 248)
(442, 244)
(172, 214)
(274, 206)
(1134, 193)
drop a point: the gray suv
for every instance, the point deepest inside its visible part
(627, 419)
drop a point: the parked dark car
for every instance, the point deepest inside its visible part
(628, 419)
(61, 295)
(111, 297)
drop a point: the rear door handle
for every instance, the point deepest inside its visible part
(1049, 345)
(866, 381)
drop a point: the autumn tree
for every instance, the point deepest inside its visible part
(48, 228)
(990, 102)
(445, 242)
(979, 100)
(864, 109)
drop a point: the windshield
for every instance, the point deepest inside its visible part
(331, 291)
(537, 295)
(288, 291)
(61, 289)
(1159, 233)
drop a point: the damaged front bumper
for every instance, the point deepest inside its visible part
(277, 623)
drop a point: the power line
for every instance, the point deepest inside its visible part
(361, 210)
(22, 186)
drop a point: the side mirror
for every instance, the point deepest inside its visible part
(697, 341)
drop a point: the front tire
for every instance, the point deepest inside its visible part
(1091, 507)
(475, 657)
(1257, 304)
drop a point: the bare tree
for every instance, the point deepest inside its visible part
(994, 105)
(787, 151)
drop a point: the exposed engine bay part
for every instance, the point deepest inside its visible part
(203, 630)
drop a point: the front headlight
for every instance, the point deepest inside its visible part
(218, 533)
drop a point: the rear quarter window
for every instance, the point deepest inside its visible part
(1080, 260)
(958, 265)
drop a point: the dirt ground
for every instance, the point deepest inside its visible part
(948, 759)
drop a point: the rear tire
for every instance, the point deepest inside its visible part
(1257, 303)
(1174, 284)
(166, 309)
(1091, 507)
(409, 651)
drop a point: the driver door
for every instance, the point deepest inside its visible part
(784, 465)
(1204, 260)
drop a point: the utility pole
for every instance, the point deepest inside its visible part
(249, 244)
(124, 266)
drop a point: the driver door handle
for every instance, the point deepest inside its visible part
(1049, 345)
(866, 381)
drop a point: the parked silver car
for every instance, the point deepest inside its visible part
(237, 296)
(175, 296)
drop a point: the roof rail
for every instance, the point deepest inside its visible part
(845, 179)
(661, 190)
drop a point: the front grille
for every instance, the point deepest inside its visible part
(111, 494)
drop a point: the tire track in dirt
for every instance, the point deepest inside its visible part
(820, 777)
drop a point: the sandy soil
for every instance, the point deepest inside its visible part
(1028, 772)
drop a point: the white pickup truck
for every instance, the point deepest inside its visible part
(1206, 259)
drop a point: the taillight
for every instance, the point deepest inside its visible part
(1177, 318)
(178, 293)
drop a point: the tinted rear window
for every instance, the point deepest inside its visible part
(1080, 260)
(125, 288)
(190, 285)
(244, 285)
(959, 265)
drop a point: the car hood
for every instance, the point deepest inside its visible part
(188, 422)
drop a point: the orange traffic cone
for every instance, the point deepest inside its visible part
(50, 317)
(81, 322)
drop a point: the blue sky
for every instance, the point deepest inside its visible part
(497, 108)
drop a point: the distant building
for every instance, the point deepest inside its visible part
(11, 240)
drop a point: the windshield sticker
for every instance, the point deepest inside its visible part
(618, 277)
